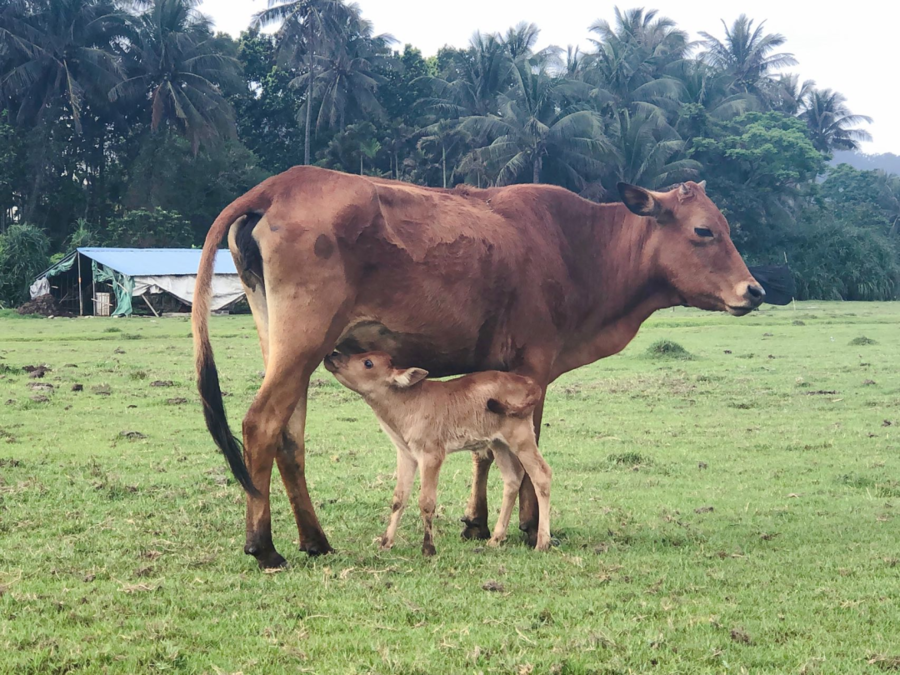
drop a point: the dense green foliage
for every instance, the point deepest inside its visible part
(733, 512)
(111, 109)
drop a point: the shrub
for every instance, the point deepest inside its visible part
(23, 255)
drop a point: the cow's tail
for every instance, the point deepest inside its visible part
(207, 375)
(521, 402)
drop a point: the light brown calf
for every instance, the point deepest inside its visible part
(426, 420)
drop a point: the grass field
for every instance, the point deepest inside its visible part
(736, 511)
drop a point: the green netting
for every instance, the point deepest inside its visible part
(63, 265)
(123, 287)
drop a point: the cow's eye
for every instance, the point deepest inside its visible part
(703, 232)
(367, 363)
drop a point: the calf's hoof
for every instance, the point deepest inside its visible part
(495, 541)
(385, 545)
(475, 529)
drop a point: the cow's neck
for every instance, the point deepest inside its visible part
(624, 286)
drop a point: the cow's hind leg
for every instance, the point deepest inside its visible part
(263, 428)
(291, 458)
(476, 518)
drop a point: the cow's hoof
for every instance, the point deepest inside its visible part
(530, 532)
(428, 550)
(316, 548)
(271, 561)
(475, 530)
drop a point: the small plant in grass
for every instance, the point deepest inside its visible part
(629, 459)
(112, 329)
(138, 375)
(666, 349)
(862, 341)
(132, 336)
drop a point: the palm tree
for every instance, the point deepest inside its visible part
(348, 76)
(176, 63)
(831, 124)
(484, 74)
(444, 135)
(648, 151)
(58, 55)
(788, 92)
(520, 40)
(310, 30)
(531, 138)
(632, 58)
(746, 54)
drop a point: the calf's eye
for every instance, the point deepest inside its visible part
(703, 232)
(367, 363)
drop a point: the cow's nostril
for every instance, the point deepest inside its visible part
(755, 291)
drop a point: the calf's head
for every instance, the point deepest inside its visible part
(691, 248)
(372, 374)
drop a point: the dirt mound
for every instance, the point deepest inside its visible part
(44, 305)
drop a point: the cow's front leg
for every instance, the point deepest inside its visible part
(476, 518)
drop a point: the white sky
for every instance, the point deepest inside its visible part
(850, 47)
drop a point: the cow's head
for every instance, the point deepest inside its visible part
(692, 248)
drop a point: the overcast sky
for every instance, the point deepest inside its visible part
(851, 47)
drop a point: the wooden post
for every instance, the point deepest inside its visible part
(80, 295)
(152, 309)
(93, 293)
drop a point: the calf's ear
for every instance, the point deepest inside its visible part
(640, 201)
(409, 377)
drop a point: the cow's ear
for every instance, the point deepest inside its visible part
(640, 201)
(404, 379)
(702, 185)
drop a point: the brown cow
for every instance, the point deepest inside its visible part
(528, 278)
(427, 420)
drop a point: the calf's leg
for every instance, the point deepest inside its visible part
(527, 452)
(429, 469)
(512, 472)
(406, 473)
(529, 511)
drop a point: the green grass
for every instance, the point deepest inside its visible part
(736, 512)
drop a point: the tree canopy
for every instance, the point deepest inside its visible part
(133, 122)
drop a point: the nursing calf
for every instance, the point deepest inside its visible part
(426, 420)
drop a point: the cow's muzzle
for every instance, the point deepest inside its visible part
(752, 295)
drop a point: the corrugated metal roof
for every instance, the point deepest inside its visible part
(146, 262)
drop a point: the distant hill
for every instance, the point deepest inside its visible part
(887, 162)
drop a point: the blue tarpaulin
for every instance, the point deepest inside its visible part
(157, 262)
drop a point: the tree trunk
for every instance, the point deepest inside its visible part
(894, 227)
(536, 176)
(444, 164)
(361, 155)
(309, 101)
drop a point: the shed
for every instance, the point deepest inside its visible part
(89, 280)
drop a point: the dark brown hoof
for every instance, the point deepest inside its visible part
(529, 530)
(428, 550)
(271, 560)
(316, 548)
(475, 530)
